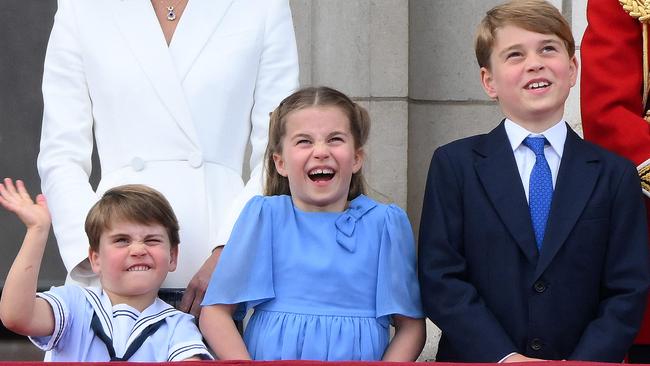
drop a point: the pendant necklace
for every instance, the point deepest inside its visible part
(171, 11)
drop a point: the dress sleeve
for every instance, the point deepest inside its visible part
(245, 271)
(64, 160)
(276, 79)
(398, 291)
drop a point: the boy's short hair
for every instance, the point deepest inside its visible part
(537, 16)
(135, 203)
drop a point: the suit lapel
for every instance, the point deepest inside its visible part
(142, 33)
(199, 21)
(497, 172)
(579, 171)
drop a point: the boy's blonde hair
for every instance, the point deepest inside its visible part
(537, 16)
(322, 96)
(133, 203)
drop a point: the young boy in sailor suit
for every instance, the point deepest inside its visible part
(133, 236)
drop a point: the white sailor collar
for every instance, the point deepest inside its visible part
(107, 313)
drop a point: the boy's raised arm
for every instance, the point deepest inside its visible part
(20, 310)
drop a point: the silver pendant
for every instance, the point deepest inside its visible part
(171, 13)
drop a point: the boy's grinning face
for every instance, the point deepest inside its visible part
(318, 157)
(133, 261)
(531, 75)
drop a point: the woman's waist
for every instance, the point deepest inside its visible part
(181, 183)
(191, 160)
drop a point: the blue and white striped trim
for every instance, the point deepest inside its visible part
(144, 322)
(104, 316)
(59, 310)
(184, 351)
(126, 313)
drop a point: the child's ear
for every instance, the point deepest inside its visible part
(173, 258)
(95, 263)
(279, 164)
(573, 69)
(487, 82)
(359, 156)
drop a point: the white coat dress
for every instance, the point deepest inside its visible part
(177, 117)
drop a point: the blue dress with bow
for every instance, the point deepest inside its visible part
(323, 284)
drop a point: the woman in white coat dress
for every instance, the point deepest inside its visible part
(172, 103)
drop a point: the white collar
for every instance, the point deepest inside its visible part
(555, 135)
(104, 309)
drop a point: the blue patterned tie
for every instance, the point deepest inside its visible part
(540, 192)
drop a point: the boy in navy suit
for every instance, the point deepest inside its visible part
(533, 242)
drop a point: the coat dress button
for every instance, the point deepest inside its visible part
(536, 344)
(137, 164)
(195, 160)
(539, 286)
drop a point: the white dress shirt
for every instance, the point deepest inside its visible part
(525, 157)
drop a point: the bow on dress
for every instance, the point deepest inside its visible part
(346, 223)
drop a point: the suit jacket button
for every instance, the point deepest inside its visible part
(137, 164)
(539, 286)
(536, 344)
(195, 160)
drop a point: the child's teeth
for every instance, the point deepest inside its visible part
(321, 171)
(538, 85)
(138, 268)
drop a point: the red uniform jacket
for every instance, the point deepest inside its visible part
(612, 90)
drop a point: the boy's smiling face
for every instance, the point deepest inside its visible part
(530, 74)
(133, 261)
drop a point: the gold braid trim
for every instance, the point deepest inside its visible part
(644, 174)
(640, 9)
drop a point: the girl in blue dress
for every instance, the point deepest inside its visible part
(326, 268)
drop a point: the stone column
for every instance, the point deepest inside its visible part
(361, 48)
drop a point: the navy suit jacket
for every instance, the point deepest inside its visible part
(490, 290)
